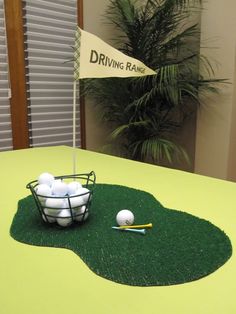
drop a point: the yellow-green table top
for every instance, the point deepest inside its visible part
(37, 280)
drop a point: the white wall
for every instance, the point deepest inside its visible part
(94, 22)
(216, 126)
(232, 151)
(216, 120)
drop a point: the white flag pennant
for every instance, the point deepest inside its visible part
(93, 58)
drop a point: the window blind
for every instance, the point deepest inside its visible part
(49, 28)
(5, 116)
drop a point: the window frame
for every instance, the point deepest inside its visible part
(17, 74)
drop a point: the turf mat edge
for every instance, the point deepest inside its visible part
(179, 248)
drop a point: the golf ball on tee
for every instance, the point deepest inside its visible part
(125, 218)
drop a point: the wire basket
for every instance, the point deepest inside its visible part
(70, 208)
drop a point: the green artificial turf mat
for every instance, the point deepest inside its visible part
(179, 248)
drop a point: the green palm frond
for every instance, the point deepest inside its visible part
(168, 84)
(158, 149)
(122, 14)
(119, 131)
(145, 113)
(143, 101)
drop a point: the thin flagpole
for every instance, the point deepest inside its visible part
(74, 129)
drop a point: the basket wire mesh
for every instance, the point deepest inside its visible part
(74, 208)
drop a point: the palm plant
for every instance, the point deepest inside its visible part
(145, 113)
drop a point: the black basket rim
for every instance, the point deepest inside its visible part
(79, 176)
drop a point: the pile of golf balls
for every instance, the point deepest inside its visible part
(62, 202)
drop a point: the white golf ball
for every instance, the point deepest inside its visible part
(54, 206)
(66, 203)
(84, 193)
(46, 178)
(125, 218)
(49, 213)
(76, 201)
(59, 188)
(81, 214)
(55, 182)
(54, 202)
(43, 190)
(73, 187)
(64, 218)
